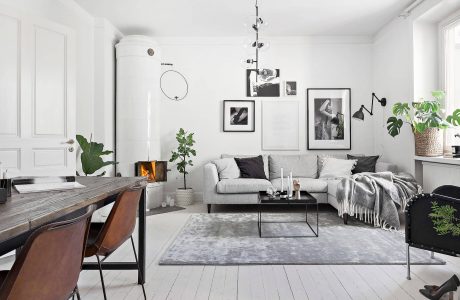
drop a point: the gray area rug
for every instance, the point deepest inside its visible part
(232, 239)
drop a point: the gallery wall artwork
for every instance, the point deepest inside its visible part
(329, 119)
(290, 88)
(266, 83)
(280, 125)
(239, 116)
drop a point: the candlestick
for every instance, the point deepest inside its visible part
(282, 181)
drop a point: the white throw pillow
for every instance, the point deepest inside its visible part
(333, 167)
(227, 168)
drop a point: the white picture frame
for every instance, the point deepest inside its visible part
(329, 119)
(280, 125)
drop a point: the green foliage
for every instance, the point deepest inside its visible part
(91, 159)
(421, 116)
(183, 152)
(454, 119)
(394, 126)
(444, 220)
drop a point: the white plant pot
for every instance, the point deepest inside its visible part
(184, 197)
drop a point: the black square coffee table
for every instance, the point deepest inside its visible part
(305, 198)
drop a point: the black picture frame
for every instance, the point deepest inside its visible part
(310, 125)
(250, 119)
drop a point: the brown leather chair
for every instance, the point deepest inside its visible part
(105, 238)
(48, 266)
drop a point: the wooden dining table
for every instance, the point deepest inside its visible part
(24, 213)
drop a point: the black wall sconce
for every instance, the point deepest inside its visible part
(359, 115)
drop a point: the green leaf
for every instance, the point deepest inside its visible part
(83, 142)
(438, 95)
(401, 109)
(420, 127)
(394, 126)
(91, 160)
(454, 119)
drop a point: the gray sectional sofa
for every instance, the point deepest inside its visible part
(304, 167)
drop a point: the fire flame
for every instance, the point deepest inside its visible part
(147, 169)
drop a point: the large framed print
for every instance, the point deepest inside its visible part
(280, 125)
(239, 116)
(329, 119)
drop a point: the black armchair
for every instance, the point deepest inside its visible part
(420, 229)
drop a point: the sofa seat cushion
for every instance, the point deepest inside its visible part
(242, 185)
(306, 184)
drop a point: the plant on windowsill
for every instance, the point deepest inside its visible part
(426, 123)
(184, 196)
(91, 160)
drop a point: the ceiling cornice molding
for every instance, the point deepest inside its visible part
(274, 40)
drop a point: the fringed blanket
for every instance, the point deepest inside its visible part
(376, 197)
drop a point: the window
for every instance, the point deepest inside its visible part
(450, 72)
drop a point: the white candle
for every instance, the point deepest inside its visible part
(282, 180)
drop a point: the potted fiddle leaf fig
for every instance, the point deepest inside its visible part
(183, 153)
(426, 122)
(91, 160)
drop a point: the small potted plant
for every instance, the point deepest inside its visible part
(426, 123)
(184, 195)
(91, 160)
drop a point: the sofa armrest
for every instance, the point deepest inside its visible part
(385, 167)
(211, 178)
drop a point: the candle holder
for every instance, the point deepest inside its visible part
(6, 184)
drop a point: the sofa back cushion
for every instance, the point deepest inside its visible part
(251, 167)
(305, 166)
(227, 168)
(264, 158)
(336, 168)
(365, 163)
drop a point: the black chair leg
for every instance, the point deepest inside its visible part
(209, 208)
(102, 277)
(135, 257)
(78, 293)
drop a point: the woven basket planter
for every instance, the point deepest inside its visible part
(429, 143)
(184, 197)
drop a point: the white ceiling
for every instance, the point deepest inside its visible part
(225, 17)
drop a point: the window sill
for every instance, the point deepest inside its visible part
(439, 159)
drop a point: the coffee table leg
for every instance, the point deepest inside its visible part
(317, 219)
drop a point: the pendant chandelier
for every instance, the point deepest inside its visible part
(257, 44)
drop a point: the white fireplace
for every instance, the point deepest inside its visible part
(137, 108)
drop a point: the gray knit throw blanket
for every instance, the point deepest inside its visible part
(376, 197)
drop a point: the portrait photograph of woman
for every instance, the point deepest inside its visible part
(328, 122)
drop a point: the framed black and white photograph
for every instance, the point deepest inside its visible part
(290, 88)
(264, 84)
(239, 116)
(328, 119)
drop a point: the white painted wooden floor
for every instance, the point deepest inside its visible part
(254, 282)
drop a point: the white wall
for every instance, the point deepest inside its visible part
(105, 38)
(393, 79)
(213, 70)
(405, 68)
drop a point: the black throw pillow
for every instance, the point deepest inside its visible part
(364, 164)
(252, 167)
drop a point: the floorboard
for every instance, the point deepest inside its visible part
(255, 281)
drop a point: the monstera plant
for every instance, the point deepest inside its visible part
(425, 120)
(91, 160)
